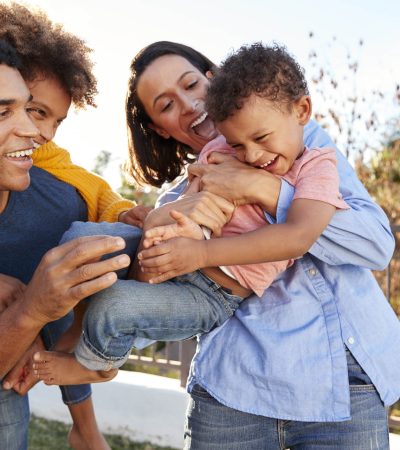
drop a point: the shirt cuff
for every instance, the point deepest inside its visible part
(285, 199)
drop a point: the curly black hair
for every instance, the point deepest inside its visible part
(9, 56)
(46, 49)
(153, 159)
(266, 71)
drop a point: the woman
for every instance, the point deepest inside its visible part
(321, 358)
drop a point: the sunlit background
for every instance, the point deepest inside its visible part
(118, 29)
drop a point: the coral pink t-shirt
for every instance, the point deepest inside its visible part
(314, 177)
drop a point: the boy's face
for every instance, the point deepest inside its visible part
(49, 106)
(16, 134)
(265, 136)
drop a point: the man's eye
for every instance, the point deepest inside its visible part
(5, 113)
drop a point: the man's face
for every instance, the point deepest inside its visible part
(16, 133)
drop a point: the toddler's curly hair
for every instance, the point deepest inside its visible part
(266, 71)
(46, 49)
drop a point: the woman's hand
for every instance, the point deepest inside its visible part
(10, 290)
(204, 208)
(237, 182)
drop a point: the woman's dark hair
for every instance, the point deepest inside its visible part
(46, 49)
(266, 71)
(9, 56)
(153, 159)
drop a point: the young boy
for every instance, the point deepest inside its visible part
(262, 112)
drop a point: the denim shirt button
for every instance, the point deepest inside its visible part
(350, 340)
(312, 272)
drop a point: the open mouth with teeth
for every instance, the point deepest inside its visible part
(269, 163)
(21, 154)
(204, 127)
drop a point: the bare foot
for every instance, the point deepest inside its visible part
(21, 377)
(78, 442)
(63, 369)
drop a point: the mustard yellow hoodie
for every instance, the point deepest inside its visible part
(102, 202)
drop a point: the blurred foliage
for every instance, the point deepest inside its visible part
(102, 160)
(52, 435)
(363, 128)
(359, 119)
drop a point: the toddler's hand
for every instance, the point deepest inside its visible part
(183, 227)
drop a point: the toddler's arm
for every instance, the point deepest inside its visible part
(306, 220)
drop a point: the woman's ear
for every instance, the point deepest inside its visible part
(160, 131)
(303, 108)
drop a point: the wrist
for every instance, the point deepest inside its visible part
(204, 253)
(266, 191)
(29, 315)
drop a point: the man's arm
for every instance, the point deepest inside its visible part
(66, 275)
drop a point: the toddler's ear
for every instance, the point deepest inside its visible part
(209, 74)
(303, 108)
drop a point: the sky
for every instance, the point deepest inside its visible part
(117, 30)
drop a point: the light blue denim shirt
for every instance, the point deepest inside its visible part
(283, 356)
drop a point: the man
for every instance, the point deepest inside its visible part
(64, 276)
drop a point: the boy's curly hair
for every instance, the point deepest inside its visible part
(266, 71)
(46, 49)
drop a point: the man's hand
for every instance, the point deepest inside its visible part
(135, 216)
(183, 227)
(10, 290)
(69, 273)
(172, 258)
(21, 377)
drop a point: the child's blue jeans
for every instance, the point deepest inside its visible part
(51, 332)
(132, 313)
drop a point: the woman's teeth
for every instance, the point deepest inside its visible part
(199, 120)
(20, 153)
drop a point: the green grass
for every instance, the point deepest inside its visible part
(52, 435)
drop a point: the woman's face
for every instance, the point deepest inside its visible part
(172, 92)
(49, 106)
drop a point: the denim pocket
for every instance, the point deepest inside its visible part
(358, 379)
(198, 391)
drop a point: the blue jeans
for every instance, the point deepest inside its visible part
(51, 332)
(213, 426)
(14, 420)
(121, 316)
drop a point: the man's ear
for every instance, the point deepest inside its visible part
(303, 108)
(160, 131)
